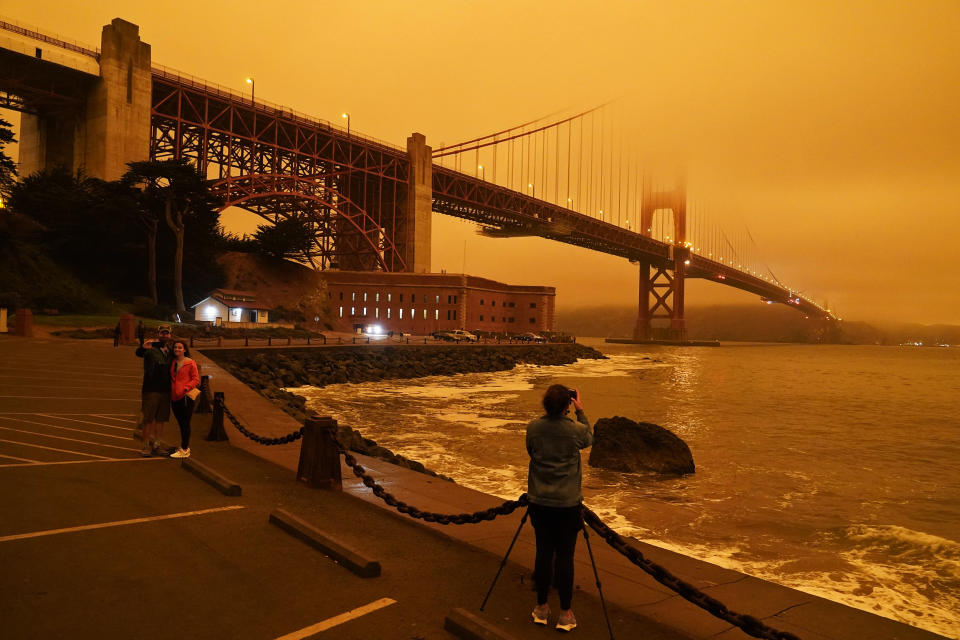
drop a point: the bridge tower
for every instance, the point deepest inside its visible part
(109, 124)
(660, 314)
(418, 213)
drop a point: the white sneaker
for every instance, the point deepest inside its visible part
(540, 614)
(181, 453)
(566, 622)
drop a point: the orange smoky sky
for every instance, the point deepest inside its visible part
(829, 130)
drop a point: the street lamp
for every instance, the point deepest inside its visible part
(533, 190)
(483, 172)
(347, 116)
(253, 87)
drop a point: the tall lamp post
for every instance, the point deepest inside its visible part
(483, 173)
(253, 89)
(533, 190)
(347, 116)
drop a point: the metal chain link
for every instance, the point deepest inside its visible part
(749, 624)
(506, 508)
(290, 437)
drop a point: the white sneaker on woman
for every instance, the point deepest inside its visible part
(181, 453)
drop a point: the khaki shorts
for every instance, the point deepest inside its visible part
(155, 406)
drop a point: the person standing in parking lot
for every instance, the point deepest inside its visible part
(155, 391)
(185, 383)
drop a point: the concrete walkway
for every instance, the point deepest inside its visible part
(97, 542)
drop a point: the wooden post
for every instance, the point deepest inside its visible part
(23, 325)
(319, 455)
(203, 400)
(217, 432)
(128, 329)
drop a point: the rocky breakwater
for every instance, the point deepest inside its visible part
(270, 371)
(620, 444)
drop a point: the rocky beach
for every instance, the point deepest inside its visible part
(271, 371)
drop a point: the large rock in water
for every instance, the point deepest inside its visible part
(620, 444)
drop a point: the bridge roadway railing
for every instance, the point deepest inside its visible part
(517, 214)
(13, 26)
(320, 466)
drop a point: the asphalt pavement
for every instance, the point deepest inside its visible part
(97, 542)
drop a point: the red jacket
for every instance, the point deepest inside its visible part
(188, 377)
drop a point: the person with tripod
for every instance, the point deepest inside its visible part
(554, 442)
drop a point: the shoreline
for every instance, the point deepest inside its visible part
(625, 585)
(270, 372)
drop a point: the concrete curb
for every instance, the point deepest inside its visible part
(340, 552)
(464, 624)
(211, 477)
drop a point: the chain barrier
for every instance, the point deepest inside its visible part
(290, 437)
(506, 508)
(749, 624)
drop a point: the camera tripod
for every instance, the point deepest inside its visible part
(586, 538)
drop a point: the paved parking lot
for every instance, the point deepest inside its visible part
(97, 542)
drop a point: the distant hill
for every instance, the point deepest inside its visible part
(753, 323)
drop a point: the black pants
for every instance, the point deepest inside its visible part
(556, 529)
(183, 412)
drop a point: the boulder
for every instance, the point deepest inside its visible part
(620, 444)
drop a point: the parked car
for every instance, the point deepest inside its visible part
(531, 337)
(458, 335)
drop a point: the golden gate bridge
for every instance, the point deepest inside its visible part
(572, 178)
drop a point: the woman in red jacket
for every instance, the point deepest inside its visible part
(185, 378)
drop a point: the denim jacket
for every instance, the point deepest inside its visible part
(554, 445)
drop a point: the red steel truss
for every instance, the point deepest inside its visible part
(353, 191)
(280, 165)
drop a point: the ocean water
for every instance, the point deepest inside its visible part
(830, 469)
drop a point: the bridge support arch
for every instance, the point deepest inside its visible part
(660, 314)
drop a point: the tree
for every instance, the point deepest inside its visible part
(8, 168)
(84, 225)
(287, 238)
(180, 192)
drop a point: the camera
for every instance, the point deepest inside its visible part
(573, 394)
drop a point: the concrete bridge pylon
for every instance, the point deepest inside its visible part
(110, 124)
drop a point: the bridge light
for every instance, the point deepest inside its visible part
(686, 262)
(483, 173)
(347, 116)
(253, 88)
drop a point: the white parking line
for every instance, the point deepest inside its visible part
(137, 400)
(47, 435)
(99, 424)
(47, 464)
(116, 523)
(107, 416)
(55, 426)
(40, 446)
(99, 387)
(334, 621)
(27, 460)
(108, 375)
